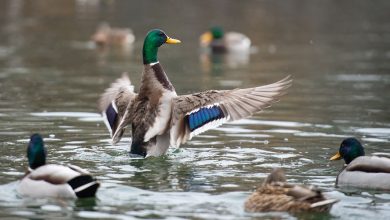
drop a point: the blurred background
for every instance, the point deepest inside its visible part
(51, 76)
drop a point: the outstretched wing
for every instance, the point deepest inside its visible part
(195, 113)
(113, 104)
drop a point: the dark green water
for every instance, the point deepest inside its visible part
(338, 53)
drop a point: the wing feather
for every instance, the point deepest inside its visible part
(230, 105)
(114, 104)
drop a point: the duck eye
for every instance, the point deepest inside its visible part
(161, 34)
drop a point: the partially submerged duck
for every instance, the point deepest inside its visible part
(275, 194)
(109, 36)
(50, 180)
(159, 118)
(370, 172)
(219, 41)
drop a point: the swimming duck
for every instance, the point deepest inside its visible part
(361, 171)
(159, 118)
(275, 194)
(108, 36)
(220, 42)
(51, 180)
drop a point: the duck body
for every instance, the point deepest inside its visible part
(236, 42)
(360, 171)
(277, 195)
(50, 180)
(151, 111)
(159, 118)
(58, 181)
(109, 36)
(366, 172)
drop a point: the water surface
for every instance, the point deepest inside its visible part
(51, 77)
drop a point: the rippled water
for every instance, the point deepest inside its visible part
(51, 77)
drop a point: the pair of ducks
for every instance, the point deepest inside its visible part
(215, 39)
(359, 171)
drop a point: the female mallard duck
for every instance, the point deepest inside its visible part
(159, 118)
(277, 195)
(218, 41)
(106, 36)
(49, 180)
(362, 171)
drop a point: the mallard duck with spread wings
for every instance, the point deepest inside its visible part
(159, 118)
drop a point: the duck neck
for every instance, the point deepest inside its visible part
(149, 54)
(36, 158)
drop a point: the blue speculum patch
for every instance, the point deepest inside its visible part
(203, 116)
(111, 115)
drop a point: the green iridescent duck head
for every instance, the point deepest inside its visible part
(153, 40)
(36, 152)
(350, 149)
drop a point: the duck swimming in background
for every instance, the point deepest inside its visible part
(371, 172)
(50, 180)
(108, 36)
(159, 118)
(220, 42)
(275, 194)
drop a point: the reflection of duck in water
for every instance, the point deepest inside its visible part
(361, 171)
(232, 48)
(275, 194)
(108, 36)
(51, 180)
(159, 118)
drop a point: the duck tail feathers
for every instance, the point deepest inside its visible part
(326, 202)
(84, 186)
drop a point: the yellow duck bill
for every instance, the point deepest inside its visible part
(172, 41)
(337, 156)
(206, 38)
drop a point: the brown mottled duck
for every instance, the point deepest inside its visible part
(275, 194)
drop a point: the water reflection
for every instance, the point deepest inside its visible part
(214, 63)
(168, 175)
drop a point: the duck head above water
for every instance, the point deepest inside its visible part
(153, 40)
(36, 152)
(350, 149)
(277, 175)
